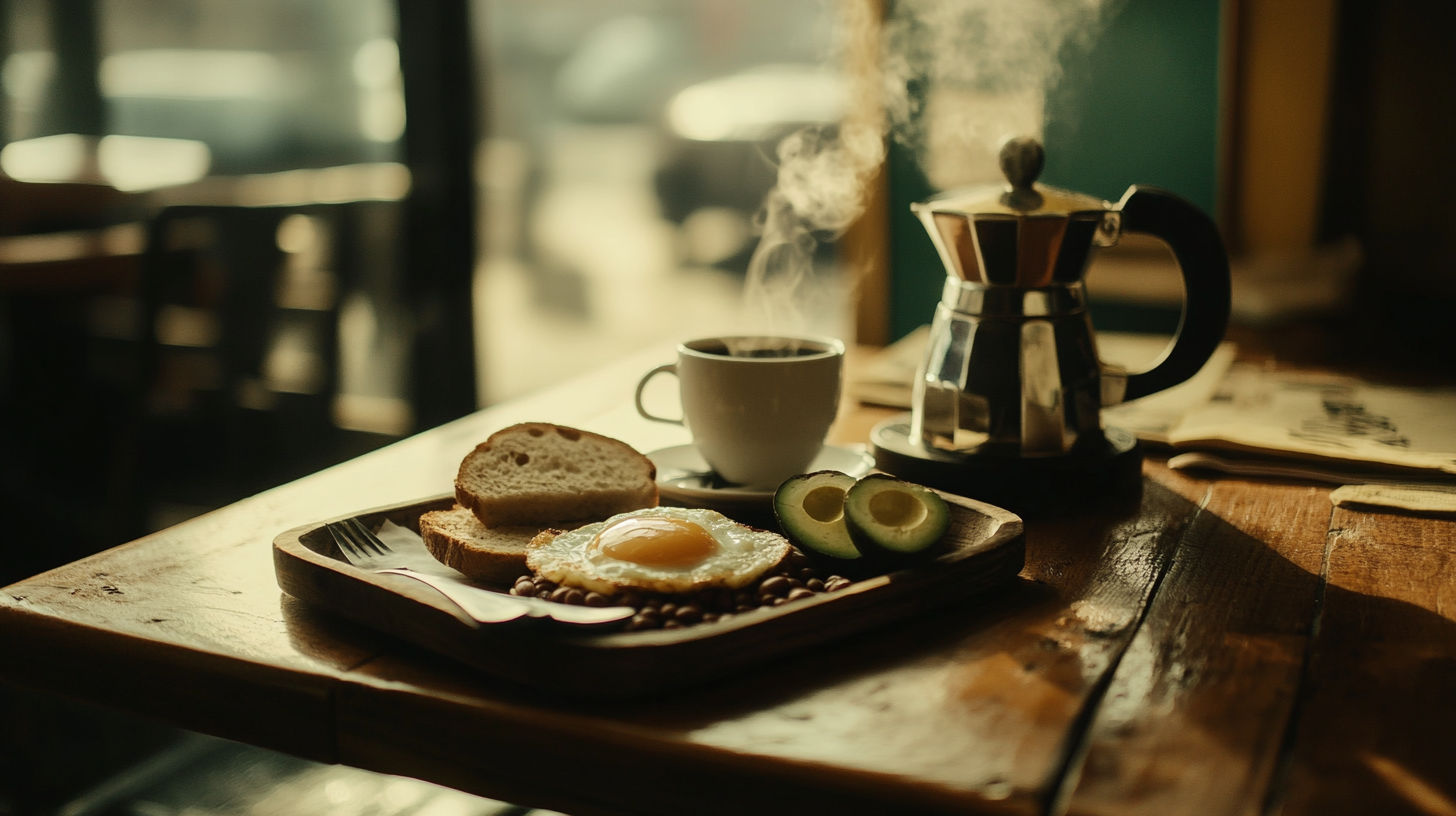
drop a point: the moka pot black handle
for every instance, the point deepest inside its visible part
(1204, 263)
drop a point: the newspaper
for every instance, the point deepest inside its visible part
(1353, 426)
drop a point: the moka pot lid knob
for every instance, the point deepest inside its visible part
(1022, 159)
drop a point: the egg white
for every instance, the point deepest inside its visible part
(743, 555)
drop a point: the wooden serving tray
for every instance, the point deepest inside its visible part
(988, 548)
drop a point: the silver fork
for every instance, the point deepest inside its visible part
(363, 549)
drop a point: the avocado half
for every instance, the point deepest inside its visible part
(810, 509)
(898, 519)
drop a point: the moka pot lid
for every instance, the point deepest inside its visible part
(1020, 233)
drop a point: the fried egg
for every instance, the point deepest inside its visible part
(660, 549)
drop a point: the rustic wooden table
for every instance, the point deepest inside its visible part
(1225, 647)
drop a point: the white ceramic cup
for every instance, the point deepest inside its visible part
(758, 416)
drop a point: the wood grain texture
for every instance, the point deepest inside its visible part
(1378, 731)
(966, 711)
(124, 627)
(1194, 717)
(1177, 652)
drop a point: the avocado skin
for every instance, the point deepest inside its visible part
(858, 520)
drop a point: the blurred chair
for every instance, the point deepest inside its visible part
(67, 362)
(241, 365)
(215, 372)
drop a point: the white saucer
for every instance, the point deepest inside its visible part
(683, 477)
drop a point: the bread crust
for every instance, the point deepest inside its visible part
(540, 473)
(457, 539)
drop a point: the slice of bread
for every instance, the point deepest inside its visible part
(538, 473)
(458, 540)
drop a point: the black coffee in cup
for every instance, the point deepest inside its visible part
(720, 348)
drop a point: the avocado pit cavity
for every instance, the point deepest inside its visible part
(825, 504)
(810, 510)
(888, 517)
(894, 508)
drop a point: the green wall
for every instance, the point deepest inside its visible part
(1141, 107)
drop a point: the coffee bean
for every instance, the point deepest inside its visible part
(671, 623)
(648, 615)
(741, 608)
(741, 598)
(597, 599)
(780, 601)
(798, 559)
(799, 594)
(814, 585)
(807, 574)
(777, 585)
(795, 583)
(710, 617)
(575, 597)
(689, 614)
(559, 594)
(544, 587)
(668, 609)
(767, 600)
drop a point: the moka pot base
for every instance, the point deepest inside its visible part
(1029, 486)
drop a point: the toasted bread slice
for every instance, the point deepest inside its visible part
(458, 540)
(538, 473)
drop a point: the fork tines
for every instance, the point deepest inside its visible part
(356, 541)
(365, 537)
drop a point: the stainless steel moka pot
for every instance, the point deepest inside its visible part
(1007, 404)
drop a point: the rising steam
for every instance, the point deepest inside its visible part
(949, 79)
(961, 76)
(823, 174)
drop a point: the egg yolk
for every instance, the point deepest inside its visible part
(656, 542)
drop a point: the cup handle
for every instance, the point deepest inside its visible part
(670, 368)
